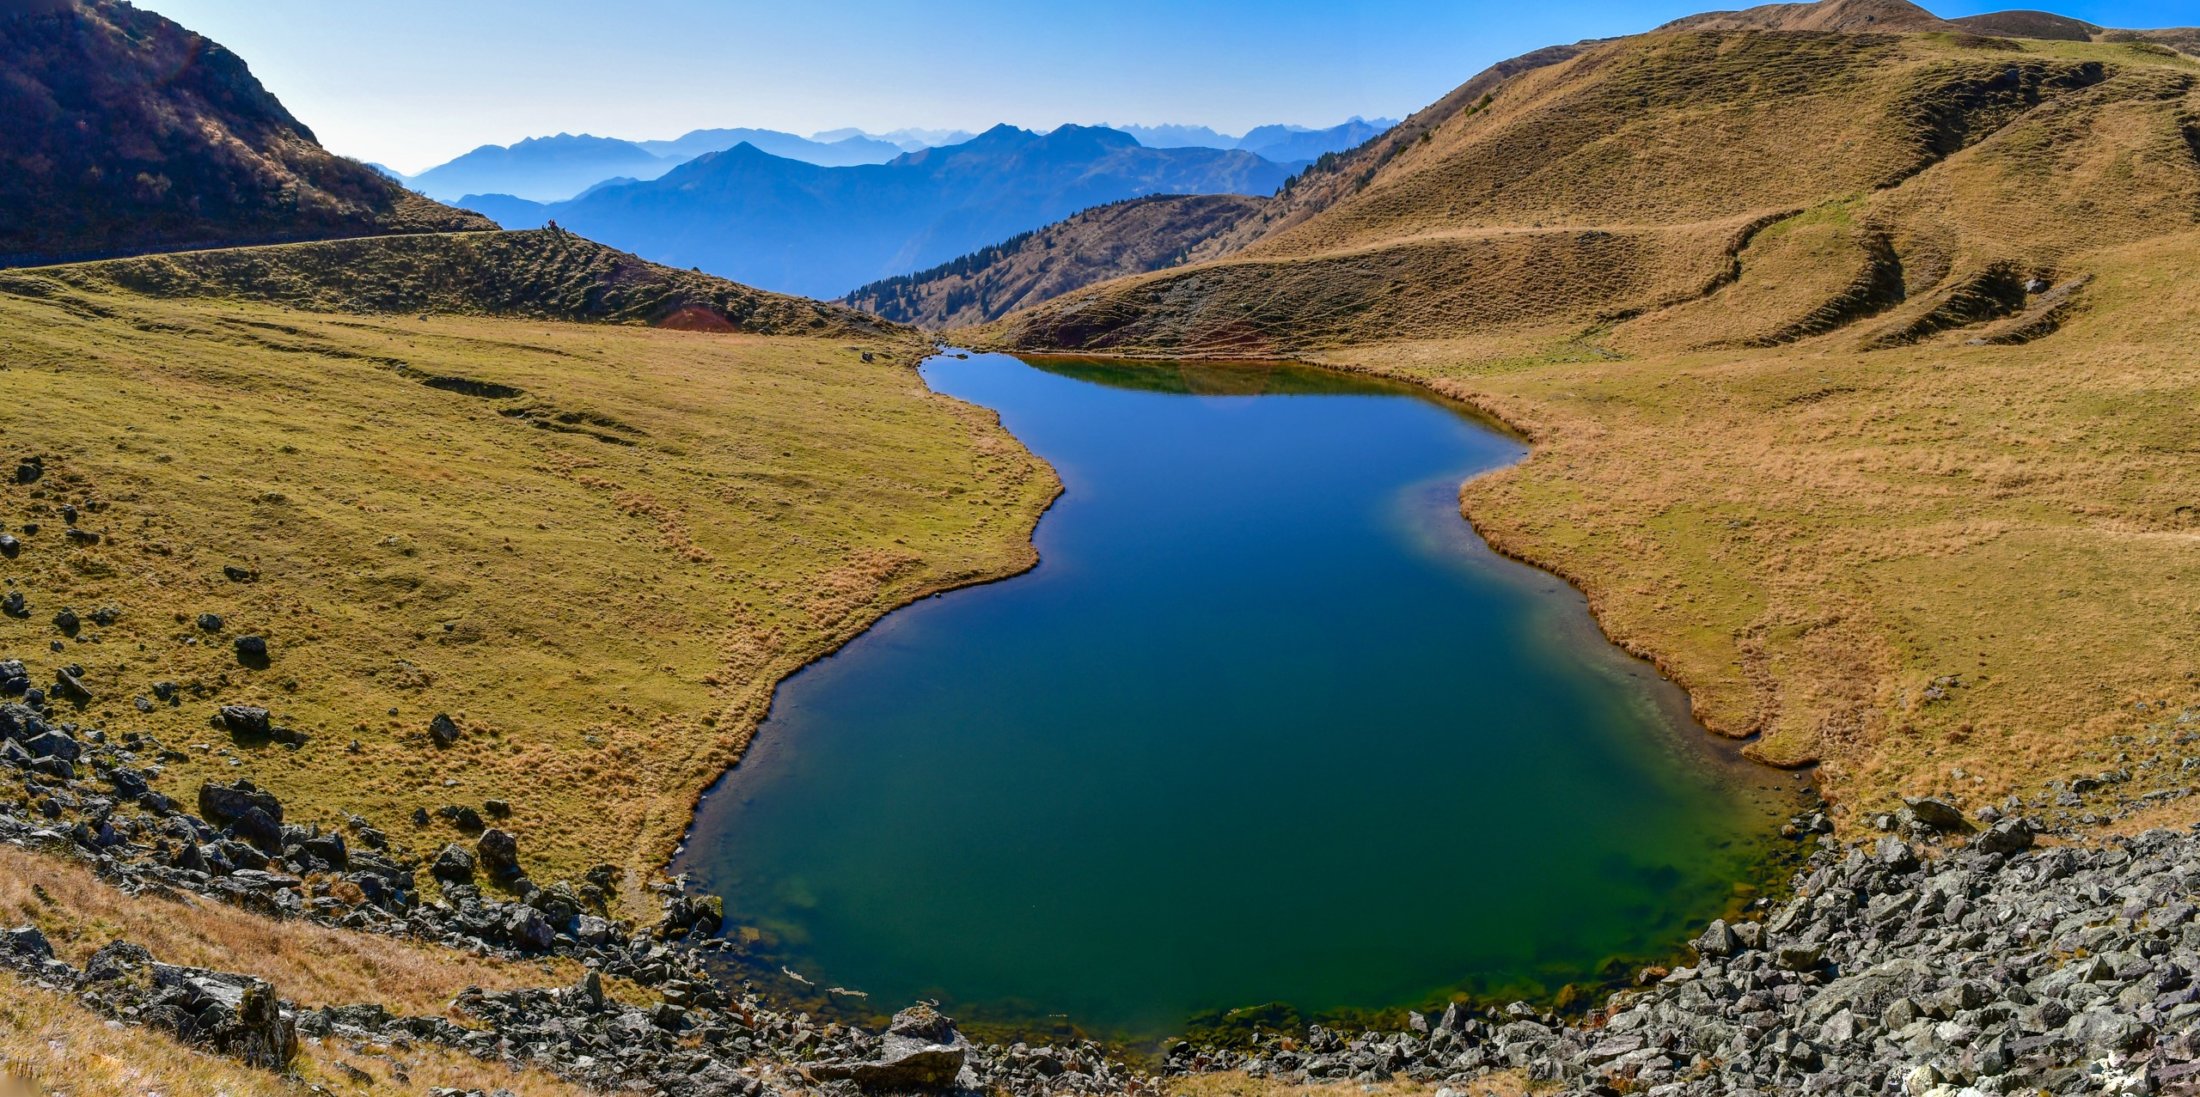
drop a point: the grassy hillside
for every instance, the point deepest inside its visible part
(127, 133)
(1855, 361)
(540, 274)
(595, 546)
(1121, 238)
(51, 1045)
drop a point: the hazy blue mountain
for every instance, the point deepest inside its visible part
(782, 224)
(541, 169)
(1287, 144)
(908, 140)
(1172, 136)
(387, 172)
(508, 212)
(854, 148)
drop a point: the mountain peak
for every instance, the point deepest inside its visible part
(1843, 16)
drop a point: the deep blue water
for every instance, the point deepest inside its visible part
(1267, 723)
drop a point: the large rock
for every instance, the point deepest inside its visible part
(1717, 940)
(236, 1015)
(921, 1050)
(915, 1069)
(252, 814)
(528, 929)
(454, 865)
(1939, 815)
(2007, 836)
(224, 804)
(244, 721)
(68, 686)
(266, 1038)
(498, 854)
(443, 729)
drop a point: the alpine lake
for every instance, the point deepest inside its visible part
(1268, 735)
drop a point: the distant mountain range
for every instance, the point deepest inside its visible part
(786, 225)
(1282, 144)
(542, 169)
(908, 140)
(836, 152)
(553, 169)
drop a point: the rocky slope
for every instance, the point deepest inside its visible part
(1948, 952)
(127, 133)
(1899, 967)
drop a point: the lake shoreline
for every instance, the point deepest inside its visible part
(1766, 870)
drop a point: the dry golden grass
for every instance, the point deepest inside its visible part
(1610, 173)
(597, 547)
(1809, 533)
(50, 1047)
(1426, 288)
(1807, 538)
(310, 964)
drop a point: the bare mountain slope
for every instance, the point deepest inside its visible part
(1120, 238)
(1965, 153)
(1839, 16)
(127, 133)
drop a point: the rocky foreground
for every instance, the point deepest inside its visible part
(1936, 959)
(1905, 965)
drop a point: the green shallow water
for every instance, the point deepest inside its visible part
(1268, 723)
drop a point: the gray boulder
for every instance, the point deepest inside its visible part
(454, 865)
(2007, 836)
(443, 729)
(498, 855)
(1939, 815)
(1717, 940)
(921, 1051)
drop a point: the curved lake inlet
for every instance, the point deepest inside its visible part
(1267, 724)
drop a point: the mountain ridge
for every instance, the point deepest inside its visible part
(129, 133)
(796, 227)
(1132, 236)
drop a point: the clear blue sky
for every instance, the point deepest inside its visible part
(411, 83)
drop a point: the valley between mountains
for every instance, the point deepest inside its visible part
(383, 588)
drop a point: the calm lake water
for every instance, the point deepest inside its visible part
(1268, 723)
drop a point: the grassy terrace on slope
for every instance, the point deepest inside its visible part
(1781, 310)
(596, 546)
(536, 274)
